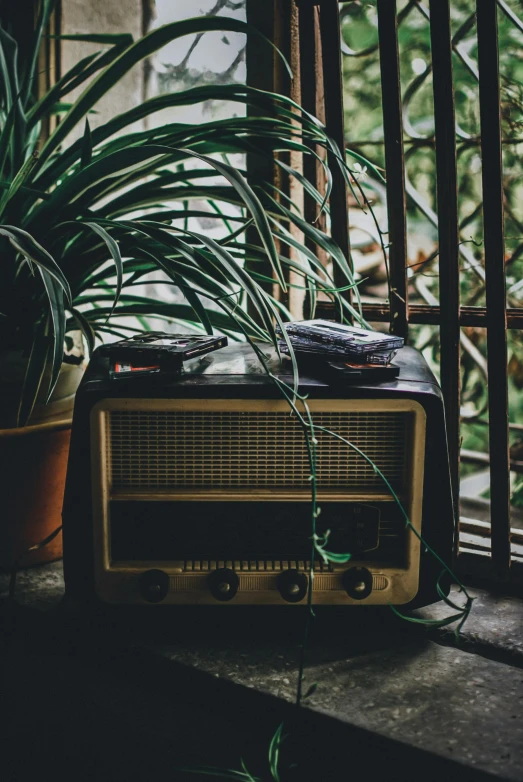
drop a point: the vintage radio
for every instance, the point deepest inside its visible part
(196, 489)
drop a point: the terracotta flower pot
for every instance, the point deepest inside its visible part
(34, 463)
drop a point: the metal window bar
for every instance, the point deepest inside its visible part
(425, 313)
(394, 165)
(490, 120)
(319, 22)
(333, 96)
(495, 317)
(312, 100)
(448, 230)
(448, 315)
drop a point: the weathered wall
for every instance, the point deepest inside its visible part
(104, 16)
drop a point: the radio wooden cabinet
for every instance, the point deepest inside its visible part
(196, 490)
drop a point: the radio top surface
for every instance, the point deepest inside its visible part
(237, 367)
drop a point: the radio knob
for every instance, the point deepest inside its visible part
(357, 582)
(223, 584)
(292, 585)
(154, 585)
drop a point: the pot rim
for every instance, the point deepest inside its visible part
(46, 426)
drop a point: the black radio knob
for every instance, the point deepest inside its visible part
(223, 584)
(357, 582)
(292, 585)
(154, 585)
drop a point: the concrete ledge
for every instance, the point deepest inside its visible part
(382, 684)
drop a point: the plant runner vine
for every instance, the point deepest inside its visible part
(319, 542)
(319, 546)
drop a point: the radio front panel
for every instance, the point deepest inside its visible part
(187, 488)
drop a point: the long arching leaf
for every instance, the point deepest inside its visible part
(46, 7)
(266, 101)
(34, 374)
(30, 248)
(253, 291)
(113, 248)
(253, 204)
(189, 293)
(55, 296)
(133, 54)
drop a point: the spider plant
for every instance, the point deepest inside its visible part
(84, 222)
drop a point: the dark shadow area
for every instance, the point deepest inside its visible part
(84, 701)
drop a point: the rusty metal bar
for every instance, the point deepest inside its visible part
(475, 457)
(394, 164)
(427, 314)
(483, 528)
(512, 426)
(286, 37)
(333, 96)
(490, 122)
(476, 565)
(312, 100)
(448, 229)
(260, 74)
(473, 141)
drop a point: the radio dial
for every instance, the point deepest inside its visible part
(223, 584)
(154, 585)
(357, 582)
(292, 585)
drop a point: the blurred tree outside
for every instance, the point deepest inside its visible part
(199, 60)
(364, 133)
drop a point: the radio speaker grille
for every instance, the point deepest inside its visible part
(231, 450)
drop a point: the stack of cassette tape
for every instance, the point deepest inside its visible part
(156, 353)
(342, 352)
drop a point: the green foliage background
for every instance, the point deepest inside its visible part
(364, 132)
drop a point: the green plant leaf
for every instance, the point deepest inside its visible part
(85, 327)
(7, 47)
(6, 134)
(12, 95)
(429, 622)
(247, 773)
(254, 291)
(87, 146)
(253, 204)
(143, 305)
(73, 189)
(274, 753)
(4, 185)
(18, 181)
(45, 10)
(76, 76)
(311, 690)
(132, 55)
(30, 248)
(189, 293)
(36, 366)
(364, 162)
(61, 107)
(118, 39)
(113, 248)
(55, 296)
(222, 773)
